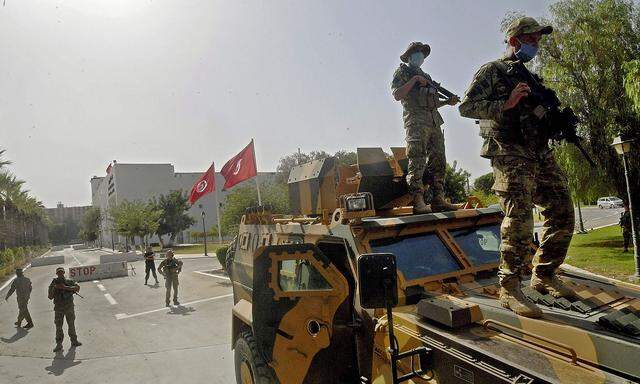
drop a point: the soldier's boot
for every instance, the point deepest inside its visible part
(29, 325)
(419, 206)
(552, 285)
(58, 347)
(75, 343)
(439, 204)
(511, 297)
(17, 323)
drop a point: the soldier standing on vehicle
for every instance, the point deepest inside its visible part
(170, 267)
(524, 168)
(625, 223)
(149, 265)
(422, 121)
(61, 291)
(21, 285)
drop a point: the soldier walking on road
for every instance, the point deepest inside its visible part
(170, 267)
(149, 265)
(61, 291)
(425, 140)
(524, 168)
(21, 285)
(625, 223)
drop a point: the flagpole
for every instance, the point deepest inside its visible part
(218, 215)
(255, 165)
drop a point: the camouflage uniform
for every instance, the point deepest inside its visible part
(525, 172)
(425, 140)
(170, 268)
(63, 308)
(22, 287)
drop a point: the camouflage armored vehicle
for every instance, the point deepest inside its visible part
(354, 288)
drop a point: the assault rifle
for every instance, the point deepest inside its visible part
(443, 93)
(557, 124)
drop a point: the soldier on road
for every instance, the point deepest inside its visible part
(422, 121)
(524, 168)
(61, 291)
(21, 285)
(170, 267)
(149, 265)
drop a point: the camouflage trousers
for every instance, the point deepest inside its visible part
(626, 236)
(171, 281)
(520, 183)
(425, 152)
(23, 311)
(60, 314)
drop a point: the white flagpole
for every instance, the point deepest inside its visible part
(256, 168)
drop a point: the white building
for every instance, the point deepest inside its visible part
(141, 182)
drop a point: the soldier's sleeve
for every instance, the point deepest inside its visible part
(400, 78)
(12, 289)
(51, 289)
(161, 266)
(479, 101)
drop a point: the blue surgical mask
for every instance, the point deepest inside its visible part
(416, 59)
(526, 52)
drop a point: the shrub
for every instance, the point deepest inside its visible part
(221, 253)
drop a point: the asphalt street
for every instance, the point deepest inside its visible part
(128, 335)
(592, 217)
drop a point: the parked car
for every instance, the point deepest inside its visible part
(610, 202)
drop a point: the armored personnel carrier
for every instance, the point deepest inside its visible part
(354, 288)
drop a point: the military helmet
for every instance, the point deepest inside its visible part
(415, 47)
(525, 25)
(59, 269)
(18, 270)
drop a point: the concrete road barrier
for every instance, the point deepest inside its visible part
(78, 247)
(57, 248)
(98, 272)
(51, 260)
(119, 257)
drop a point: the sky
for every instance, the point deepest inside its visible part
(188, 82)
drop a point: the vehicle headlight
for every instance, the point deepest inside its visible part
(357, 203)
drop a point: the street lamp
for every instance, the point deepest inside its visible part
(204, 231)
(623, 147)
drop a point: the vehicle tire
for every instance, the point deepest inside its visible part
(600, 206)
(251, 368)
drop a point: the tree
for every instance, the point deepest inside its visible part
(632, 83)
(90, 225)
(174, 218)
(455, 183)
(132, 219)
(586, 61)
(236, 202)
(484, 183)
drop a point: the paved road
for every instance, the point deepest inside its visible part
(128, 336)
(593, 217)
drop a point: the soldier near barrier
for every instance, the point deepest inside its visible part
(61, 291)
(21, 285)
(149, 265)
(625, 223)
(525, 170)
(170, 267)
(422, 121)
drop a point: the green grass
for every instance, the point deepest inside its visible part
(194, 249)
(600, 251)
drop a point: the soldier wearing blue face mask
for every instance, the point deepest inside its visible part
(524, 168)
(422, 121)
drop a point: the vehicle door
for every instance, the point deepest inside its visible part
(296, 293)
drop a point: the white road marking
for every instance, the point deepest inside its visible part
(101, 287)
(212, 275)
(96, 281)
(5, 285)
(110, 299)
(121, 316)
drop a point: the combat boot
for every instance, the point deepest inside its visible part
(511, 297)
(419, 206)
(58, 347)
(28, 326)
(76, 343)
(439, 204)
(552, 285)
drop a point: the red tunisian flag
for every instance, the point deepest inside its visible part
(240, 168)
(205, 184)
